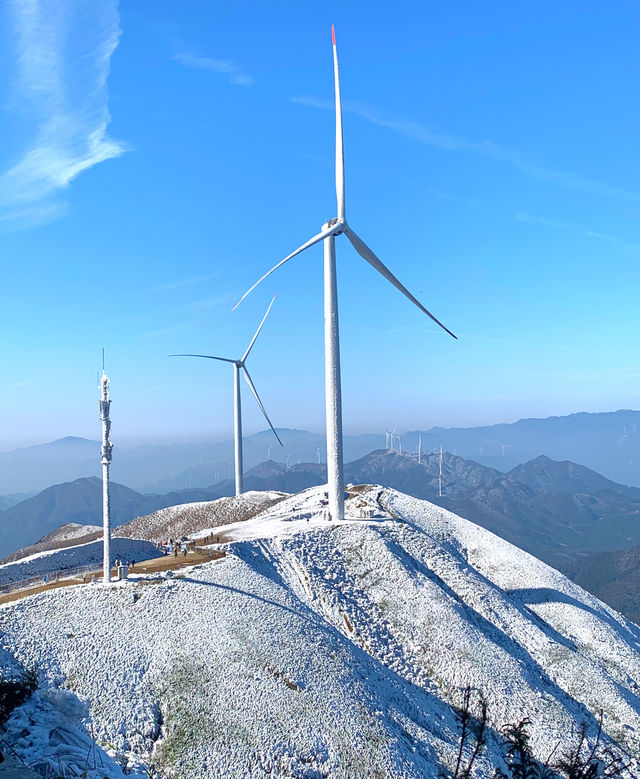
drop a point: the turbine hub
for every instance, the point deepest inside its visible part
(333, 222)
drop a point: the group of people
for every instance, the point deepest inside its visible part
(174, 546)
(129, 564)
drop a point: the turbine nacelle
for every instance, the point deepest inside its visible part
(337, 223)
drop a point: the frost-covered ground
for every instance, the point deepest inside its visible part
(70, 534)
(317, 649)
(42, 563)
(189, 518)
(70, 531)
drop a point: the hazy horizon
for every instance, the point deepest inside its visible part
(221, 436)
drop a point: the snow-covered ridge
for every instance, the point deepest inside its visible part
(318, 649)
(189, 518)
(70, 532)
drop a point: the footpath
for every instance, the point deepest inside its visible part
(155, 565)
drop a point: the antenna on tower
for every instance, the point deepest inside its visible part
(440, 475)
(105, 459)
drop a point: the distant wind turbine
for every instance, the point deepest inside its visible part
(333, 390)
(239, 365)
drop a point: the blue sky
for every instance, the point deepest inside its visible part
(157, 158)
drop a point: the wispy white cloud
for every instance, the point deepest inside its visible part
(218, 301)
(176, 329)
(184, 282)
(32, 215)
(558, 224)
(516, 159)
(522, 216)
(234, 72)
(62, 53)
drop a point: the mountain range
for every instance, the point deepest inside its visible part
(608, 443)
(558, 511)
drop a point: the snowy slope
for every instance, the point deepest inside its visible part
(318, 649)
(70, 531)
(61, 560)
(189, 518)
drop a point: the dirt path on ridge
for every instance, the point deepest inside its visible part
(155, 565)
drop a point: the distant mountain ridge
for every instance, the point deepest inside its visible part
(79, 501)
(558, 511)
(607, 442)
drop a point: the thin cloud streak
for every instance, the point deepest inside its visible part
(63, 55)
(218, 301)
(560, 225)
(522, 216)
(495, 151)
(184, 283)
(232, 70)
(177, 329)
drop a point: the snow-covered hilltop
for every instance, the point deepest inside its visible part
(316, 649)
(189, 518)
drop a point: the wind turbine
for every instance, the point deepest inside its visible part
(239, 365)
(334, 227)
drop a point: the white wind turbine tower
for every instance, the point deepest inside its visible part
(419, 448)
(105, 459)
(440, 476)
(239, 365)
(333, 391)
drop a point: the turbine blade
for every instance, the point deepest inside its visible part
(253, 340)
(206, 356)
(339, 142)
(262, 408)
(365, 252)
(316, 238)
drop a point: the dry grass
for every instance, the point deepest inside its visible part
(155, 565)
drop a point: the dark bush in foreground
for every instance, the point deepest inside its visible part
(15, 692)
(575, 759)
